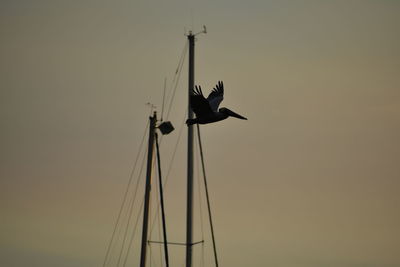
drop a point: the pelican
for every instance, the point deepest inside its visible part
(206, 110)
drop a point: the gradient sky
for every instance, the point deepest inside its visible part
(311, 179)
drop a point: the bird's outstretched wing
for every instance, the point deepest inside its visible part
(216, 96)
(199, 103)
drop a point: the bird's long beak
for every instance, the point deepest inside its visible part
(233, 114)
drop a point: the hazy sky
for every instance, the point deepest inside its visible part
(311, 179)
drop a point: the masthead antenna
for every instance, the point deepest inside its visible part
(203, 31)
(151, 106)
(163, 99)
(195, 34)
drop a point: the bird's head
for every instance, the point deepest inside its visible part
(230, 113)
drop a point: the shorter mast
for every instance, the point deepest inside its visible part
(189, 201)
(152, 130)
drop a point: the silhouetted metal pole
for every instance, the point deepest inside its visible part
(189, 203)
(153, 121)
(207, 196)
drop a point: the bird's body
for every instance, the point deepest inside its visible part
(217, 116)
(206, 110)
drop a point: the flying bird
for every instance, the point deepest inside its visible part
(206, 109)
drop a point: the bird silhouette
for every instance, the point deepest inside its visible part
(206, 109)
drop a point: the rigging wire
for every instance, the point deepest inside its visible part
(169, 171)
(163, 98)
(171, 161)
(162, 203)
(174, 84)
(149, 236)
(133, 233)
(157, 202)
(197, 170)
(199, 192)
(177, 77)
(131, 210)
(118, 223)
(175, 148)
(141, 207)
(106, 258)
(126, 230)
(182, 124)
(207, 196)
(200, 205)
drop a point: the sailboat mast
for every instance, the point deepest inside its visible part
(152, 129)
(189, 203)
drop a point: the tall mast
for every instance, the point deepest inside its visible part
(189, 203)
(152, 129)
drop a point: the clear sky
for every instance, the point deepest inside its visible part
(311, 179)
